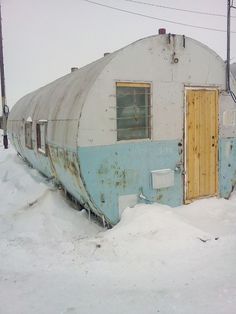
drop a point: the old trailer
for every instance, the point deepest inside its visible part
(151, 122)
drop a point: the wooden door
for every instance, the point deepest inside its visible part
(201, 155)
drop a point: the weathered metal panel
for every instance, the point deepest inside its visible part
(66, 168)
(125, 169)
(226, 106)
(60, 104)
(227, 166)
(151, 61)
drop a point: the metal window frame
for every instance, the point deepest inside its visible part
(149, 116)
(29, 124)
(38, 137)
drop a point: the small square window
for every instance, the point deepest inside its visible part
(28, 135)
(41, 129)
(133, 110)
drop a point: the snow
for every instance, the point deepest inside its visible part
(158, 259)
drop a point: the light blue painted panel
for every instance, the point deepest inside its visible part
(227, 166)
(65, 163)
(124, 169)
(39, 161)
(36, 159)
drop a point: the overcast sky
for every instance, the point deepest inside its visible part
(43, 39)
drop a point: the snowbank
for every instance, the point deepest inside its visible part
(156, 260)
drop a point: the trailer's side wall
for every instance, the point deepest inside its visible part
(59, 106)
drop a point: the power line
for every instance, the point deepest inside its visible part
(156, 18)
(177, 9)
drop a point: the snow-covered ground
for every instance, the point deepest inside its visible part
(156, 260)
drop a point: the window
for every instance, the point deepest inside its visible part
(41, 129)
(133, 110)
(28, 135)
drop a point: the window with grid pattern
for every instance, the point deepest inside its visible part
(133, 110)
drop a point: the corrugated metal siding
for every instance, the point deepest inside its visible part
(60, 100)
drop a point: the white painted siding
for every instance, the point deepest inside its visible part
(151, 60)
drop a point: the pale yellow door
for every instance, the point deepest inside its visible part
(201, 157)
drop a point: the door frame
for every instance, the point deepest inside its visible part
(186, 88)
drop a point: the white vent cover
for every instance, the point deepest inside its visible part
(163, 178)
